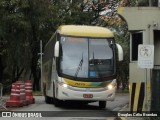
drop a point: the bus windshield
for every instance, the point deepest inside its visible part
(87, 57)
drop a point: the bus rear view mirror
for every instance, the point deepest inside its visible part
(56, 49)
(120, 52)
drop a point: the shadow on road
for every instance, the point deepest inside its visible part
(78, 105)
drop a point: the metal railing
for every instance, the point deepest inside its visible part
(2, 101)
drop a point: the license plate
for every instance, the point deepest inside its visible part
(88, 95)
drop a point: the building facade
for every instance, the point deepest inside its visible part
(144, 27)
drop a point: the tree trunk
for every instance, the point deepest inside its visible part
(150, 3)
(35, 60)
(16, 73)
(34, 70)
(13, 73)
(19, 73)
(1, 69)
(118, 82)
(35, 47)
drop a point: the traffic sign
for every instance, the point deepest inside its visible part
(145, 56)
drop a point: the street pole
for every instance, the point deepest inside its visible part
(145, 89)
(150, 3)
(41, 54)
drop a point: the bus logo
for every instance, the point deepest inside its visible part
(80, 84)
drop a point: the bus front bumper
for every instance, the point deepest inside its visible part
(65, 93)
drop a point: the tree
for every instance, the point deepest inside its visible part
(13, 32)
(70, 13)
(24, 23)
(37, 16)
(19, 26)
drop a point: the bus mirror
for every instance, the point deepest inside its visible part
(56, 49)
(120, 52)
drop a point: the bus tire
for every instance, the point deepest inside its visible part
(56, 102)
(102, 104)
(47, 99)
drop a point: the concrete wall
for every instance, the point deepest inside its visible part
(139, 18)
(142, 18)
(146, 19)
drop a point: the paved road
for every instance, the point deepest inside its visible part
(73, 111)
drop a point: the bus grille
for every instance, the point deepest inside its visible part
(86, 89)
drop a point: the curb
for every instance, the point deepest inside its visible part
(124, 107)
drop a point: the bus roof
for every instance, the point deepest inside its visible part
(84, 30)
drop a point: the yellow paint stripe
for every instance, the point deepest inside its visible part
(143, 109)
(137, 91)
(130, 93)
(148, 97)
(123, 118)
(77, 83)
(148, 90)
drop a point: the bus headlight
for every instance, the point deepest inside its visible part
(64, 85)
(109, 87)
(61, 83)
(112, 85)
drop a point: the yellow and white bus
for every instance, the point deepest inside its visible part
(79, 64)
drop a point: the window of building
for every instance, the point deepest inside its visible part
(136, 39)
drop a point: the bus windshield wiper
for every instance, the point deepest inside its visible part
(79, 66)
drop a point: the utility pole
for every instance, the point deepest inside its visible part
(41, 54)
(150, 3)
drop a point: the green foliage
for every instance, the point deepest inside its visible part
(7, 86)
(134, 3)
(24, 23)
(14, 31)
(143, 3)
(122, 37)
(70, 13)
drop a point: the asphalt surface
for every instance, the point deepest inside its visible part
(69, 111)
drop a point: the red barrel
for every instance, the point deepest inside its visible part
(28, 91)
(14, 100)
(22, 93)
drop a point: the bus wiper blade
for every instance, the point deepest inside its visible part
(79, 66)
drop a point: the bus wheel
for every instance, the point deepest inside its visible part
(56, 102)
(48, 100)
(102, 104)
